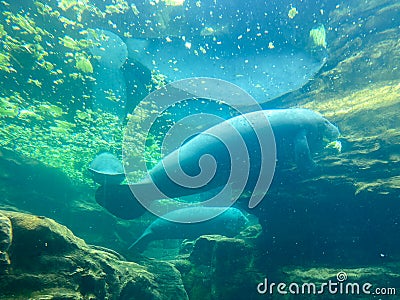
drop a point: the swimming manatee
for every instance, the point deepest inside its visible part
(106, 169)
(228, 223)
(297, 133)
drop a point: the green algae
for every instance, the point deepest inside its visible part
(42, 131)
(119, 7)
(83, 64)
(318, 37)
(43, 120)
(321, 274)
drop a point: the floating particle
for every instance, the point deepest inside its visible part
(69, 42)
(292, 12)
(271, 45)
(174, 2)
(206, 31)
(60, 81)
(35, 82)
(83, 64)
(318, 37)
(51, 109)
(134, 9)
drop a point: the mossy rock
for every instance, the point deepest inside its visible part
(5, 241)
(347, 281)
(49, 262)
(222, 268)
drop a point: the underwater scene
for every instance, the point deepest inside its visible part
(199, 149)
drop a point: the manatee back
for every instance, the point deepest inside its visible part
(288, 123)
(292, 120)
(228, 223)
(217, 220)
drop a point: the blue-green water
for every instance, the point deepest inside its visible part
(77, 79)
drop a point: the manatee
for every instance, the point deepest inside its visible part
(298, 132)
(302, 130)
(119, 201)
(106, 169)
(228, 223)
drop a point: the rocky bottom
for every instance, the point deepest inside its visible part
(41, 259)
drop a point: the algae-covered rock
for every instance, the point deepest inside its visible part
(5, 240)
(334, 283)
(224, 252)
(30, 186)
(222, 268)
(168, 278)
(49, 262)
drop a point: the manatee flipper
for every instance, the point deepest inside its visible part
(302, 152)
(141, 243)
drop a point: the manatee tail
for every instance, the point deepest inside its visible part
(120, 201)
(141, 243)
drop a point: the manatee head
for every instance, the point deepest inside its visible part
(323, 133)
(330, 131)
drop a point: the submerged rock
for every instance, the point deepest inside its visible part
(345, 283)
(230, 268)
(5, 240)
(48, 262)
(168, 278)
(221, 268)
